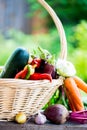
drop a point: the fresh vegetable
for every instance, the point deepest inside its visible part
(78, 116)
(39, 76)
(45, 67)
(50, 69)
(15, 63)
(20, 118)
(65, 68)
(36, 61)
(22, 74)
(25, 73)
(41, 67)
(57, 113)
(61, 97)
(40, 119)
(74, 93)
(44, 55)
(80, 83)
(45, 62)
(70, 101)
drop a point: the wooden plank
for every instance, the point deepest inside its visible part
(47, 126)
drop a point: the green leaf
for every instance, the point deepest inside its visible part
(46, 55)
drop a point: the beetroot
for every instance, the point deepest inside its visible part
(78, 116)
(45, 67)
(57, 113)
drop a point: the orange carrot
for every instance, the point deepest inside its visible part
(70, 100)
(80, 83)
(72, 103)
(77, 106)
(74, 93)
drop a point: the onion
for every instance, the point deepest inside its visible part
(40, 119)
(65, 68)
(20, 118)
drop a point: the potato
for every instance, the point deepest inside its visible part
(57, 113)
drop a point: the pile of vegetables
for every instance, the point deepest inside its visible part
(41, 65)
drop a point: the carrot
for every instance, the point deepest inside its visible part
(77, 106)
(72, 103)
(80, 83)
(70, 100)
(74, 93)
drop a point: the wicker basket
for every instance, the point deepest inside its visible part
(30, 96)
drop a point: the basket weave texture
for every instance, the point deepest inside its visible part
(29, 96)
(26, 96)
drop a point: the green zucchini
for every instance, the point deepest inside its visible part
(15, 63)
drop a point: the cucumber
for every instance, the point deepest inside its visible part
(15, 63)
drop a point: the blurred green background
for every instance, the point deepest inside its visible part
(73, 15)
(42, 32)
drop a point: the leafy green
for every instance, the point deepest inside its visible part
(44, 54)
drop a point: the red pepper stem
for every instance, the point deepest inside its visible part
(39, 76)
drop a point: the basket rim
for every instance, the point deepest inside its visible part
(32, 84)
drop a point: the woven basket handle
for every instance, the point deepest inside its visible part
(63, 52)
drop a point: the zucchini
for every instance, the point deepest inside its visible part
(15, 63)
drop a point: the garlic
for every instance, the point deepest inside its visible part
(65, 68)
(40, 119)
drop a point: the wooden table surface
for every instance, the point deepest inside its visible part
(48, 126)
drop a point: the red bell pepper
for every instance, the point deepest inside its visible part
(22, 73)
(36, 62)
(40, 76)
